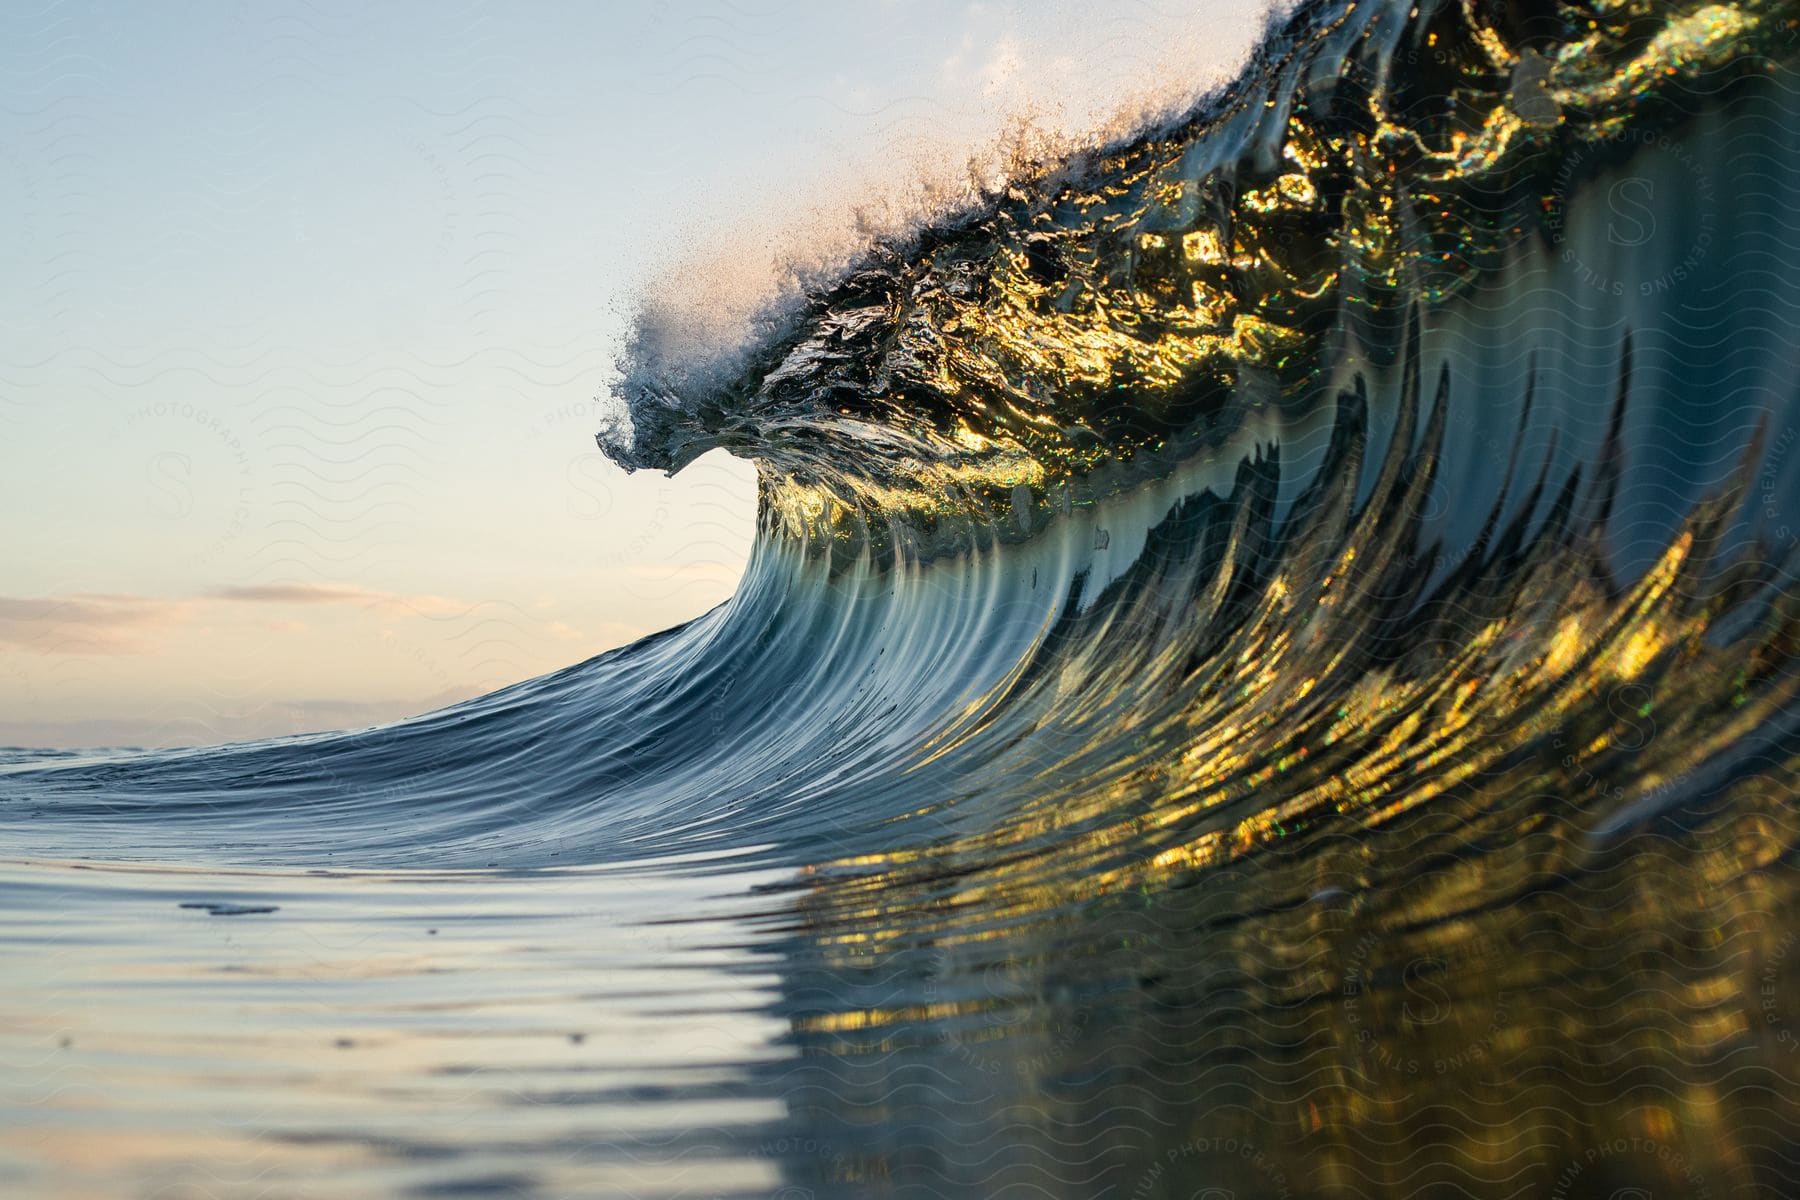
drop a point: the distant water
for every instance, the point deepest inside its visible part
(1268, 669)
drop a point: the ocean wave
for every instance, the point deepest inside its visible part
(1397, 406)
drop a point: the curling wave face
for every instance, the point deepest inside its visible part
(1363, 510)
(1428, 386)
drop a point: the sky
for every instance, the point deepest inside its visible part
(305, 309)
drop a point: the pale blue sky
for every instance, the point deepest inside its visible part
(303, 308)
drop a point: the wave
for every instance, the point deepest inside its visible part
(1416, 415)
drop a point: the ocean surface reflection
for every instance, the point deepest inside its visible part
(1531, 1015)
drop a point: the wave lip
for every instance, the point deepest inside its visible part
(1123, 310)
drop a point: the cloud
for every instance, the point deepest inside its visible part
(87, 623)
(337, 593)
(110, 623)
(288, 593)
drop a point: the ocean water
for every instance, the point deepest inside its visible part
(1268, 669)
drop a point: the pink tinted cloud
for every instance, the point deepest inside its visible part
(96, 623)
(338, 593)
(87, 623)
